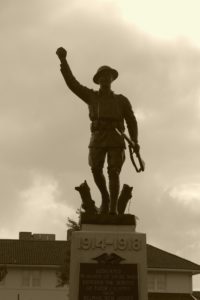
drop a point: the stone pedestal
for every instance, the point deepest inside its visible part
(108, 260)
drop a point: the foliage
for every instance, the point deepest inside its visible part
(3, 272)
(73, 225)
(63, 273)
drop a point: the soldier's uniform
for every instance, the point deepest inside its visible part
(107, 111)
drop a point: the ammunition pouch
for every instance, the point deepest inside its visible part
(105, 125)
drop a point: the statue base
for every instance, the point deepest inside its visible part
(100, 219)
(108, 259)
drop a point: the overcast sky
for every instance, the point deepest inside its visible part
(44, 128)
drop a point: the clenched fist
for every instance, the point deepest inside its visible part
(62, 53)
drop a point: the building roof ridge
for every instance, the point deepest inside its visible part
(174, 255)
(53, 252)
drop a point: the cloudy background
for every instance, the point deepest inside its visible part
(44, 128)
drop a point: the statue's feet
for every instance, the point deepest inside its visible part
(105, 203)
(112, 213)
(104, 208)
(113, 207)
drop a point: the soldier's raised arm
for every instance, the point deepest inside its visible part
(81, 91)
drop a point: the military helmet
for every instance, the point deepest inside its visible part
(103, 69)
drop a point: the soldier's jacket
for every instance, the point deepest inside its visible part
(106, 112)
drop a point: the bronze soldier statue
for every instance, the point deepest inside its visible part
(107, 112)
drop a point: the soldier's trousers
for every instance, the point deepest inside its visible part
(115, 160)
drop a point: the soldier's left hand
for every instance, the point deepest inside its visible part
(137, 147)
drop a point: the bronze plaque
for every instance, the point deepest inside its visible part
(108, 282)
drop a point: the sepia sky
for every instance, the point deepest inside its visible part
(44, 128)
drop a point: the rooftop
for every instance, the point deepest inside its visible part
(32, 252)
(169, 296)
(157, 258)
(54, 253)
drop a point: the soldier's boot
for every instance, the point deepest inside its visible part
(114, 190)
(101, 184)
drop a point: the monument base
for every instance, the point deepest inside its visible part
(108, 260)
(127, 219)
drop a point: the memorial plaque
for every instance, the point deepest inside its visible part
(108, 282)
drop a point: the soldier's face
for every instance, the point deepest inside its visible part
(105, 79)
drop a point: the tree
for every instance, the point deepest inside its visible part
(63, 273)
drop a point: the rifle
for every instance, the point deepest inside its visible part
(132, 150)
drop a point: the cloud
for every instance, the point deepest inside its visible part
(44, 128)
(40, 207)
(188, 195)
(153, 17)
(177, 224)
